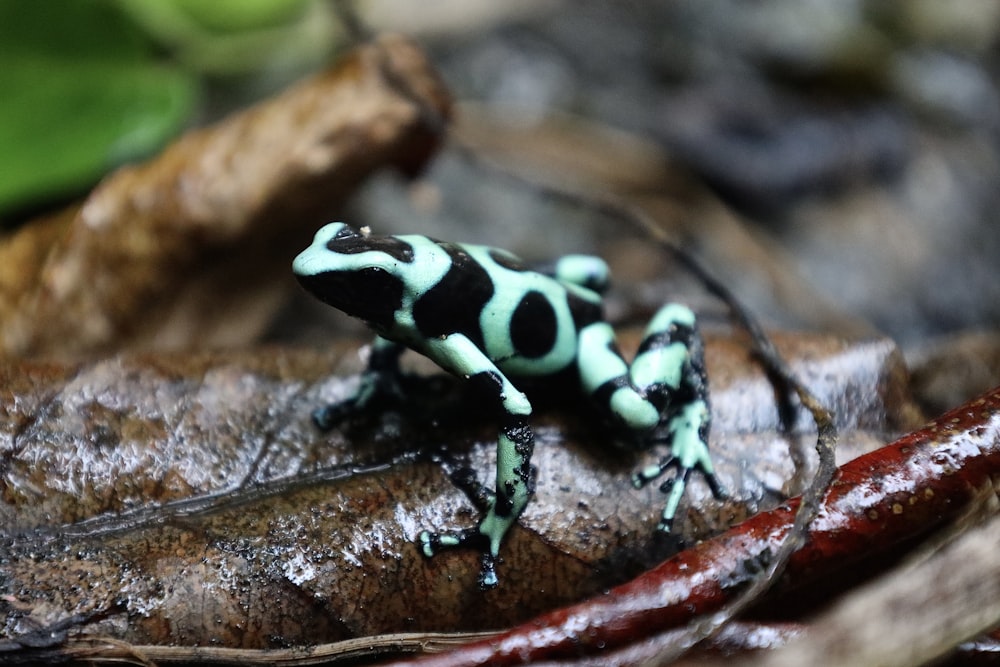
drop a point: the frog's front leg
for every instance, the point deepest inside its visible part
(665, 382)
(379, 382)
(515, 443)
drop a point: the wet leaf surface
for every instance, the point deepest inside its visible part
(189, 498)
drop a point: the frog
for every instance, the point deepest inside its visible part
(488, 318)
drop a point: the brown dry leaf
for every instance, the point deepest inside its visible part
(189, 499)
(140, 263)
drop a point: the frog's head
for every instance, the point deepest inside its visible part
(355, 271)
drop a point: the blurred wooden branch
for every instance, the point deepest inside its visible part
(143, 260)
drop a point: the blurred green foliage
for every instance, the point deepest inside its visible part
(239, 15)
(83, 92)
(239, 37)
(90, 84)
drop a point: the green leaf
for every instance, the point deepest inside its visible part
(69, 29)
(239, 15)
(82, 94)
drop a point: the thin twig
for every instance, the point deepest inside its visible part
(761, 343)
(104, 650)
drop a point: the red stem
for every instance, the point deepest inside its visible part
(877, 500)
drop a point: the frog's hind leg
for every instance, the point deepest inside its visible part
(665, 383)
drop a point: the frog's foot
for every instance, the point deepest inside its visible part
(485, 538)
(376, 393)
(689, 451)
(674, 486)
(432, 543)
(329, 416)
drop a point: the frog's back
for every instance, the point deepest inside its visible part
(526, 322)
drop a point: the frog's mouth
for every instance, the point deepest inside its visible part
(371, 294)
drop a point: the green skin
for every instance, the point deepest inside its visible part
(634, 396)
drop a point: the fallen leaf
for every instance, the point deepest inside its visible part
(190, 500)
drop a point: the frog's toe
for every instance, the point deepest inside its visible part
(432, 543)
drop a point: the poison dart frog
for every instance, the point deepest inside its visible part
(482, 315)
